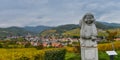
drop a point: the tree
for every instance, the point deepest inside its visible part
(20, 39)
(1, 46)
(111, 36)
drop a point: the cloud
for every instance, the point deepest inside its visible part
(112, 17)
(55, 12)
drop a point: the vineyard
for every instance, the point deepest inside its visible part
(31, 54)
(66, 53)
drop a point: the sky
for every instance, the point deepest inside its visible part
(56, 12)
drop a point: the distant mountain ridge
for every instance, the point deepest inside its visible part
(21, 31)
(73, 27)
(36, 29)
(13, 31)
(58, 29)
(66, 27)
(111, 24)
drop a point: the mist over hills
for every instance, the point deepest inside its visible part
(21, 31)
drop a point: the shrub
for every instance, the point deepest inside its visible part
(72, 56)
(75, 49)
(70, 49)
(39, 47)
(1, 46)
(55, 54)
(27, 45)
(108, 46)
(23, 58)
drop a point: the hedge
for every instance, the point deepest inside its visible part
(49, 54)
(55, 54)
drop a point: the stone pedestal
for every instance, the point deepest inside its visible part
(89, 50)
(89, 53)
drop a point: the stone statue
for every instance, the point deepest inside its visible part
(88, 37)
(88, 31)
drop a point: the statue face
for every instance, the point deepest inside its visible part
(89, 19)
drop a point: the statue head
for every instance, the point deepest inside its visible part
(88, 18)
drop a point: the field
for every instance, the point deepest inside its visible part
(71, 54)
(6, 54)
(102, 56)
(101, 49)
(11, 54)
(32, 54)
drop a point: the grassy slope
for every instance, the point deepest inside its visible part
(102, 56)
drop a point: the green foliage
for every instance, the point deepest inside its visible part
(77, 49)
(103, 41)
(59, 30)
(108, 46)
(104, 56)
(12, 31)
(32, 54)
(36, 29)
(101, 56)
(74, 33)
(28, 45)
(58, 54)
(117, 57)
(102, 34)
(47, 32)
(66, 27)
(20, 39)
(111, 35)
(102, 26)
(1, 46)
(23, 58)
(72, 56)
(37, 57)
(39, 47)
(9, 44)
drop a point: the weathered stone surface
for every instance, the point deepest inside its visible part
(88, 38)
(89, 53)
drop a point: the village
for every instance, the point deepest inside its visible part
(46, 42)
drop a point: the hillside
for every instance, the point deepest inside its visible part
(36, 29)
(46, 30)
(21, 31)
(13, 31)
(63, 28)
(112, 25)
(59, 29)
(72, 29)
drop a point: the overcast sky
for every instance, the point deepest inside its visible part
(56, 12)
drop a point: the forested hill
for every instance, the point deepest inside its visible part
(36, 29)
(105, 25)
(13, 31)
(76, 27)
(22, 31)
(66, 27)
(46, 29)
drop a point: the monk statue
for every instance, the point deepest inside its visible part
(88, 33)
